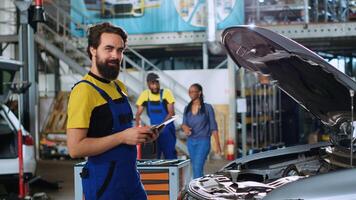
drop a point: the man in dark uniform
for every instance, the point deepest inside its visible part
(159, 105)
(100, 122)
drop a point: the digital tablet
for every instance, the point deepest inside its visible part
(163, 124)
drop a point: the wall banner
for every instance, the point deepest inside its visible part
(156, 16)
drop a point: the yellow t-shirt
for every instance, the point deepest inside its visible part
(167, 97)
(88, 109)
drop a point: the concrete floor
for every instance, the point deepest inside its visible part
(62, 172)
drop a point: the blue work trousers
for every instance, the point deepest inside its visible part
(199, 149)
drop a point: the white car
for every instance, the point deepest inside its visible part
(310, 171)
(9, 123)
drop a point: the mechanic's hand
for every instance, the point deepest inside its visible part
(137, 135)
(154, 135)
(187, 130)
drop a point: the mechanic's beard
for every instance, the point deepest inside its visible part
(155, 91)
(107, 70)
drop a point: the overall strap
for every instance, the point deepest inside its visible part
(123, 95)
(160, 95)
(101, 91)
(148, 100)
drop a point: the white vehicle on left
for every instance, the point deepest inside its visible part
(9, 125)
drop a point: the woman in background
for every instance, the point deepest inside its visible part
(199, 124)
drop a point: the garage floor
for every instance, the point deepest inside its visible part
(55, 171)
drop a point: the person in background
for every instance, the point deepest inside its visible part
(159, 105)
(100, 119)
(199, 125)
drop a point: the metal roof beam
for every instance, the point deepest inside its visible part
(293, 31)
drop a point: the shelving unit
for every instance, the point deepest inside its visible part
(272, 12)
(263, 117)
(53, 144)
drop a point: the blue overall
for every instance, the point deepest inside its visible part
(113, 175)
(166, 141)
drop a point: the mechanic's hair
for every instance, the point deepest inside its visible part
(94, 34)
(202, 106)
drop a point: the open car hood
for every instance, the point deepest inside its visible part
(306, 77)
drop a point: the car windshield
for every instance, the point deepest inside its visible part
(6, 77)
(8, 144)
(5, 126)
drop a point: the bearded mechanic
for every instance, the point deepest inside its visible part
(100, 122)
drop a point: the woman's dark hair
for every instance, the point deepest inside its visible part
(94, 34)
(202, 106)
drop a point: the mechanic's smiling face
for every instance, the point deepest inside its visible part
(108, 55)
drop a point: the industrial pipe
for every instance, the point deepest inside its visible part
(214, 46)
